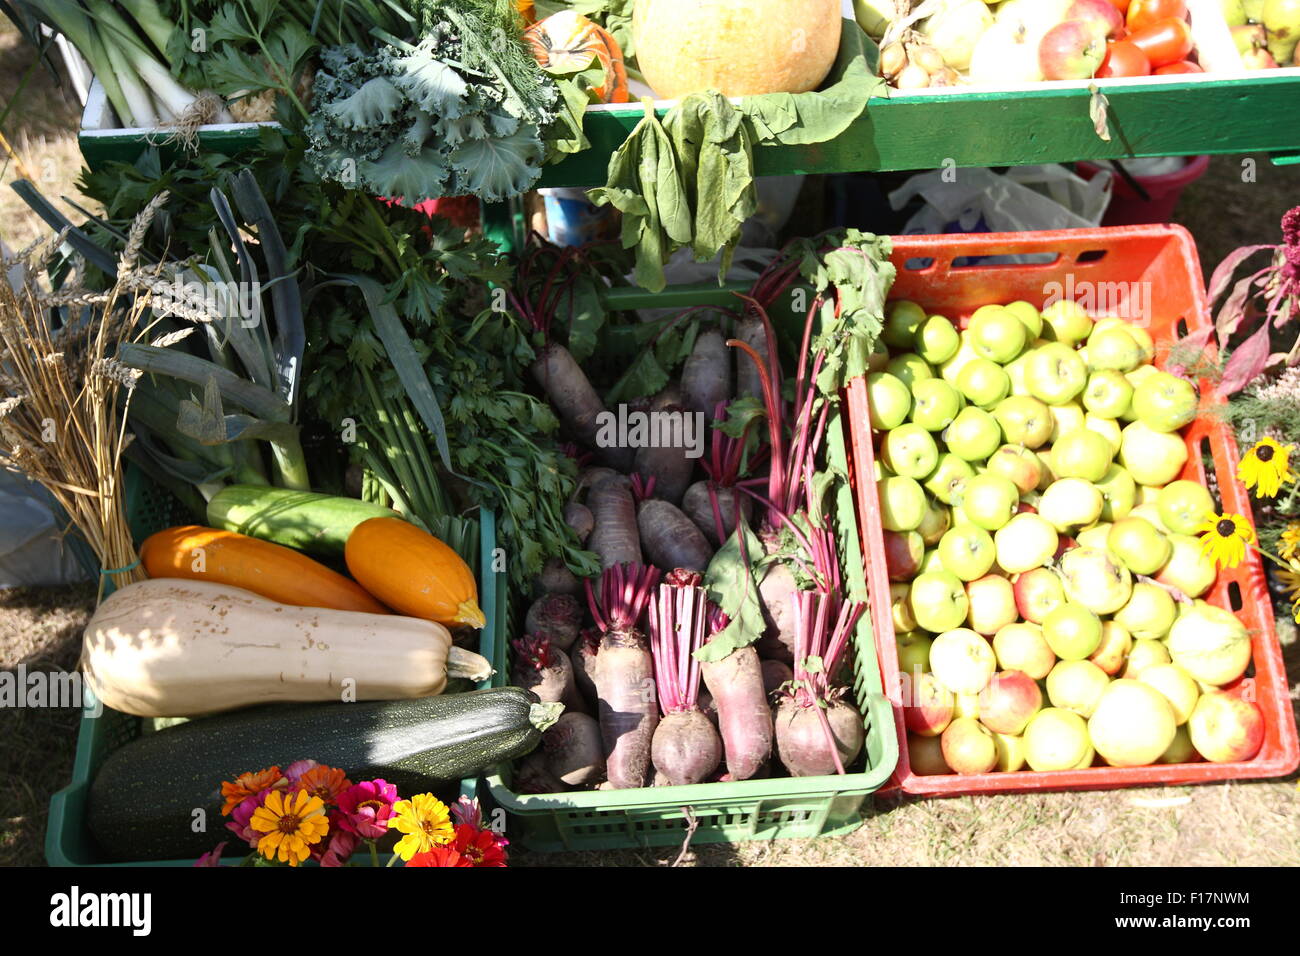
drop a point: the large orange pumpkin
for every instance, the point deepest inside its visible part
(566, 41)
(526, 10)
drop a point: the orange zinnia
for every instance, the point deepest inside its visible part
(324, 782)
(250, 784)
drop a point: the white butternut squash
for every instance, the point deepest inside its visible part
(176, 648)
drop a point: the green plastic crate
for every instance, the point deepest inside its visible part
(68, 841)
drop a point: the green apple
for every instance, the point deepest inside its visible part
(909, 450)
(1070, 503)
(909, 368)
(1189, 569)
(1182, 750)
(1076, 686)
(1149, 613)
(1152, 457)
(1107, 428)
(936, 340)
(992, 604)
(1116, 642)
(937, 520)
(962, 661)
(1022, 647)
(902, 319)
(939, 601)
(1094, 579)
(1149, 495)
(1136, 378)
(1151, 514)
(1016, 372)
(967, 551)
(1184, 506)
(1138, 545)
(1056, 739)
(1026, 541)
(1018, 465)
(1066, 418)
(1081, 453)
(879, 357)
(1143, 654)
(902, 503)
(1111, 347)
(1108, 394)
(1025, 420)
(931, 562)
(913, 652)
(989, 501)
(984, 383)
(1093, 536)
(974, 434)
(948, 476)
(1029, 317)
(1066, 322)
(1072, 631)
(1177, 687)
(1165, 402)
(1011, 752)
(1144, 340)
(935, 404)
(900, 607)
(1118, 493)
(1133, 724)
(1055, 374)
(1210, 643)
(950, 369)
(997, 334)
(890, 400)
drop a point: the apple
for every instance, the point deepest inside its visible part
(1133, 724)
(1022, 647)
(1224, 729)
(1029, 317)
(890, 400)
(1093, 536)
(1011, 752)
(1018, 465)
(962, 661)
(1189, 569)
(1116, 642)
(1138, 545)
(925, 756)
(1056, 739)
(997, 334)
(966, 353)
(992, 604)
(1104, 13)
(1009, 701)
(1110, 347)
(948, 477)
(1038, 593)
(931, 562)
(1070, 503)
(1072, 631)
(935, 524)
(1151, 457)
(1108, 394)
(1151, 515)
(1025, 542)
(984, 383)
(1149, 495)
(1210, 643)
(1015, 370)
(1144, 654)
(1165, 402)
(900, 608)
(1149, 613)
(1081, 453)
(1107, 428)
(928, 708)
(1096, 580)
(913, 651)
(1181, 750)
(910, 451)
(1184, 505)
(936, 340)
(1066, 322)
(1076, 686)
(967, 705)
(1055, 374)
(989, 501)
(1118, 493)
(902, 503)
(974, 434)
(939, 601)
(1177, 686)
(1067, 417)
(968, 747)
(935, 404)
(1024, 420)
(903, 553)
(909, 368)
(902, 319)
(967, 551)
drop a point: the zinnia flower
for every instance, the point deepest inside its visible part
(212, 857)
(426, 823)
(247, 784)
(241, 824)
(291, 824)
(1289, 543)
(480, 847)
(293, 773)
(1266, 468)
(1224, 539)
(324, 782)
(468, 811)
(341, 847)
(365, 808)
(438, 856)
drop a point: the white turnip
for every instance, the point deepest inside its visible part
(573, 750)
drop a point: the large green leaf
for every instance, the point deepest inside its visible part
(733, 587)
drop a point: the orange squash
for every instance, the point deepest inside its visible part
(271, 570)
(413, 572)
(567, 41)
(527, 10)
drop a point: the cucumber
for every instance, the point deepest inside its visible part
(302, 520)
(144, 801)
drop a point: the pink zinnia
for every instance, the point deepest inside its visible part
(293, 773)
(213, 856)
(241, 824)
(341, 847)
(364, 808)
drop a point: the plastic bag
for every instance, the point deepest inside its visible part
(33, 549)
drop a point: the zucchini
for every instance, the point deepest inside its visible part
(143, 801)
(303, 520)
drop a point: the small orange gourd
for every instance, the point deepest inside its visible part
(528, 10)
(413, 572)
(566, 41)
(271, 570)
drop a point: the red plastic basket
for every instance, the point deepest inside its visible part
(1164, 258)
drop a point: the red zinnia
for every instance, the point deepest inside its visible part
(439, 856)
(480, 847)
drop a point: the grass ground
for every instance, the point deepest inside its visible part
(1248, 824)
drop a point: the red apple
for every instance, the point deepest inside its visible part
(1224, 728)
(927, 706)
(992, 604)
(925, 754)
(903, 553)
(1100, 12)
(1072, 50)
(1037, 593)
(1011, 698)
(968, 746)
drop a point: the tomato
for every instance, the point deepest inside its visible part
(1124, 59)
(1143, 13)
(1182, 66)
(1164, 42)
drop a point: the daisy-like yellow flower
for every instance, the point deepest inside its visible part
(1288, 544)
(1266, 468)
(425, 820)
(1291, 581)
(1224, 538)
(292, 823)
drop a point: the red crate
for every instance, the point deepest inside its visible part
(1165, 257)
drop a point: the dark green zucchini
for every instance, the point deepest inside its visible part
(142, 802)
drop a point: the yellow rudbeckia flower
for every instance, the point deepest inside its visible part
(1266, 468)
(1291, 581)
(1224, 539)
(292, 823)
(1288, 544)
(425, 820)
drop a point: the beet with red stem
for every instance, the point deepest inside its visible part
(556, 578)
(775, 676)
(573, 750)
(556, 617)
(669, 539)
(744, 717)
(579, 517)
(706, 377)
(583, 657)
(546, 671)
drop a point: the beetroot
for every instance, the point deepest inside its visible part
(556, 578)
(801, 740)
(555, 617)
(614, 536)
(573, 750)
(776, 591)
(751, 331)
(706, 377)
(533, 776)
(697, 504)
(579, 517)
(744, 717)
(583, 657)
(686, 747)
(546, 671)
(775, 675)
(668, 463)
(670, 539)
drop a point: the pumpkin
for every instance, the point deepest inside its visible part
(565, 42)
(271, 570)
(737, 47)
(173, 648)
(527, 9)
(413, 572)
